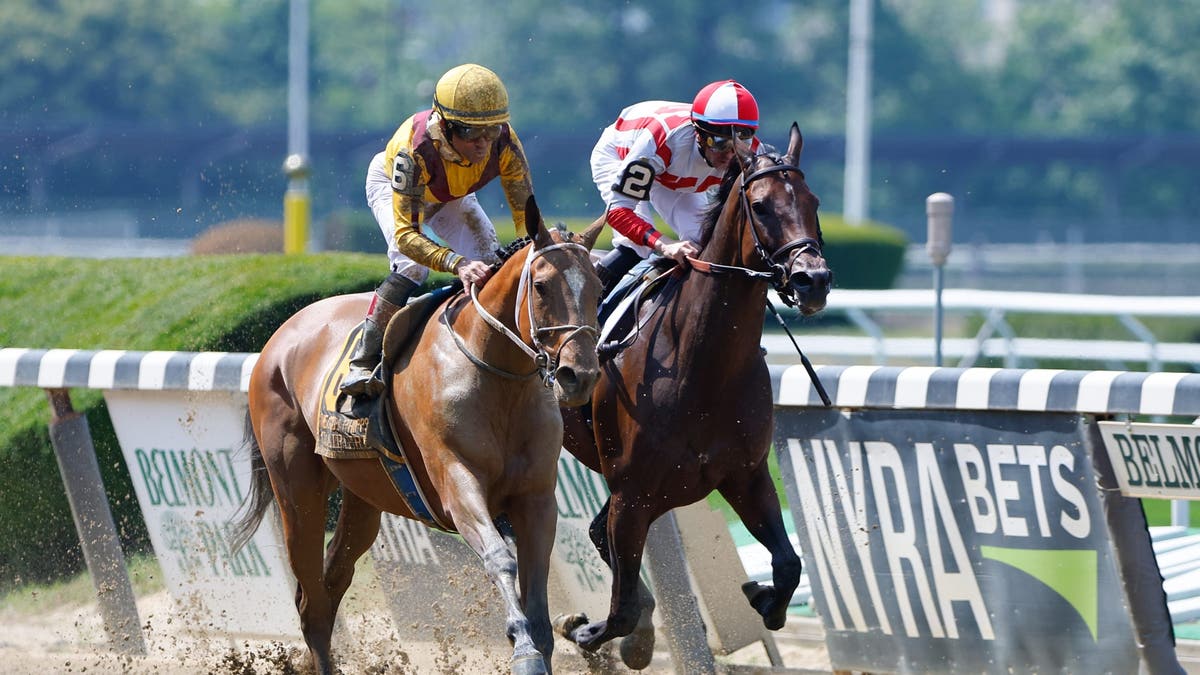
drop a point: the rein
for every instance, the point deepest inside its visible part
(544, 364)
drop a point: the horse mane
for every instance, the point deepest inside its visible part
(508, 251)
(713, 212)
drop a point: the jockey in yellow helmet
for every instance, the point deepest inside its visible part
(425, 180)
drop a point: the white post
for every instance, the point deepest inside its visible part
(939, 212)
(855, 193)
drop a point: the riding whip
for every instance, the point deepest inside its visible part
(812, 374)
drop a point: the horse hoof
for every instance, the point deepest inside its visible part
(761, 596)
(637, 648)
(529, 664)
(565, 624)
(776, 620)
(586, 636)
(758, 594)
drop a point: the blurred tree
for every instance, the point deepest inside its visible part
(196, 72)
(141, 61)
(1076, 67)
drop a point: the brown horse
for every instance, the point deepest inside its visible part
(687, 407)
(479, 391)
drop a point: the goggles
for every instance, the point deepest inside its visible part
(725, 143)
(468, 132)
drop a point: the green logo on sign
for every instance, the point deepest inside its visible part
(1070, 573)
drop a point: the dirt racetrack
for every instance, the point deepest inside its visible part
(72, 640)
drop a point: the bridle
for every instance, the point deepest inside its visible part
(777, 263)
(545, 364)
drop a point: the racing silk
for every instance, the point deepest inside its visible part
(660, 134)
(427, 172)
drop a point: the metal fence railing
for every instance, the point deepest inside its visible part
(996, 338)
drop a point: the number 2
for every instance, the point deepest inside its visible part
(636, 180)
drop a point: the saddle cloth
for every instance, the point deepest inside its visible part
(341, 436)
(371, 432)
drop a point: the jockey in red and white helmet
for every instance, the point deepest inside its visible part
(667, 155)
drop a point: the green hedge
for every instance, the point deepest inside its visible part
(219, 303)
(869, 255)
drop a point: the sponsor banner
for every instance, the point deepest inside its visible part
(438, 591)
(955, 541)
(436, 583)
(184, 453)
(1154, 460)
(583, 583)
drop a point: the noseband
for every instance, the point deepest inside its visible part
(545, 363)
(777, 263)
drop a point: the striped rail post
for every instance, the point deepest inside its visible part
(55, 371)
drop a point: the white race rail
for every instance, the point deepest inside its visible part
(996, 338)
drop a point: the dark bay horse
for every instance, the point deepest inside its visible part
(479, 391)
(687, 407)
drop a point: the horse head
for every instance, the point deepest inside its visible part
(563, 295)
(781, 214)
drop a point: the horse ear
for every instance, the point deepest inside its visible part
(795, 145)
(593, 231)
(745, 157)
(534, 227)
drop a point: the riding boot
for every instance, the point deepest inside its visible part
(614, 265)
(362, 380)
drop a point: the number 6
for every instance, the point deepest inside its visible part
(402, 173)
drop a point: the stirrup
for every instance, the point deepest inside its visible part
(370, 386)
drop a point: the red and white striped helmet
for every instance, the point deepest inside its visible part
(723, 104)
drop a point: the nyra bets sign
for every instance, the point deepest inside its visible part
(955, 542)
(184, 454)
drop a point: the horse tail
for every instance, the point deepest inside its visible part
(259, 497)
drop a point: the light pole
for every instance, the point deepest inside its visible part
(856, 189)
(939, 211)
(296, 201)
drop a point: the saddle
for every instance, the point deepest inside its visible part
(619, 312)
(366, 429)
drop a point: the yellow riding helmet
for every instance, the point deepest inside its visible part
(471, 94)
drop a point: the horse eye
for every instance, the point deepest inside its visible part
(760, 208)
(540, 286)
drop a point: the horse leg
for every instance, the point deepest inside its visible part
(533, 520)
(757, 504)
(357, 527)
(470, 514)
(637, 648)
(625, 534)
(302, 487)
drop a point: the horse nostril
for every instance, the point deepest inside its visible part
(821, 278)
(566, 377)
(801, 282)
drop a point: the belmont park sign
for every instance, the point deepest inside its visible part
(1154, 460)
(190, 477)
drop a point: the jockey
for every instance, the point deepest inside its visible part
(667, 155)
(430, 170)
